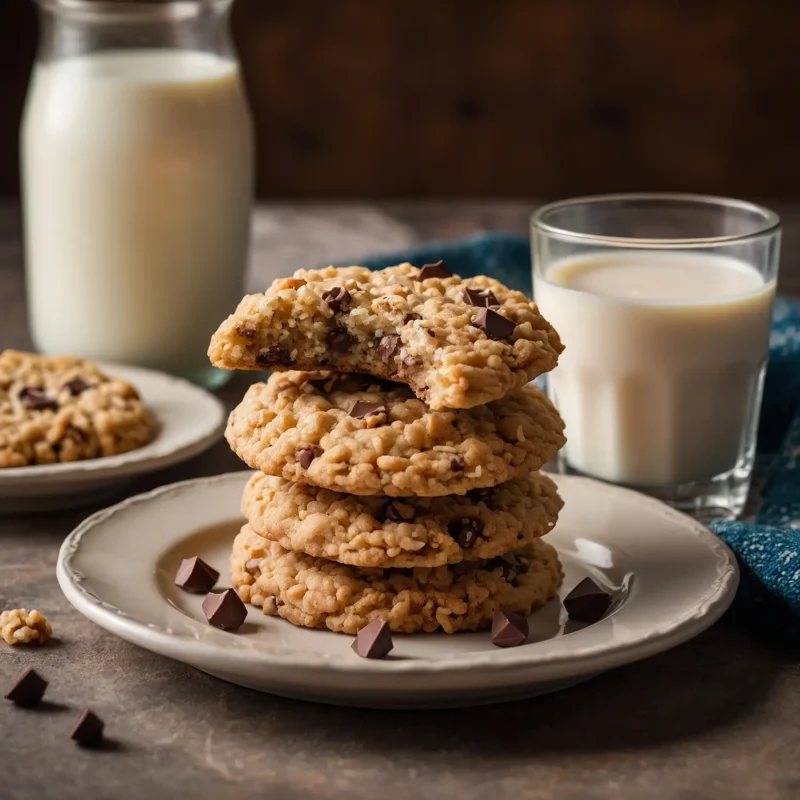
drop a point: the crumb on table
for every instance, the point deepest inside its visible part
(20, 626)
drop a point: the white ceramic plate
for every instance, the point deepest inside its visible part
(672, 579)
(189, 421)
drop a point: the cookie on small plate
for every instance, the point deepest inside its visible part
(360, 435)
(61, 409)
(405, 532)
(457, 343)
(317, 593)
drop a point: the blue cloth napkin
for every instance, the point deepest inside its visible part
(768, 549)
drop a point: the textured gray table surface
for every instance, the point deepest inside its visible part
(718, 717)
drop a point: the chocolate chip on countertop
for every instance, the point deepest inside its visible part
(338, 299)
(88, 730)
(271, 356)
(587, 602)
(397, 511)
(483, 298)
(466, 531)
(195, 576)
(374, 641)
(77, 386)
(362, 409)
(508, 628)
(35, 399)
(339, 341)
(304, 456)
(437, 270)
(28, 690)
(494, 325)
(388, 346)
(225, 610)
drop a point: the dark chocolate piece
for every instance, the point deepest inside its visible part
(388, 346)
(508, 628)
(270, 356)
(338, 299)
(374, 641)
(195, 576)
(482, 298)
(28, 690)
(494, 325)
(362, 409)
(247, 333)
(397, 511)
(77, 386)
(88, 730)
(456, 464)
(587, 602)
(410, 317)
(35, 399)
(431, 332)
(482, 496)
(225, 610)
(437, 270)
(466, 531)
(304, 456)
(339, 341)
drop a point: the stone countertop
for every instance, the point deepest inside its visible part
(716, 717)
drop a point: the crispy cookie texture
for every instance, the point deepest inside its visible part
(409, 532)
(359, 435)
(55, 409)
(317, 593)
(457, 343)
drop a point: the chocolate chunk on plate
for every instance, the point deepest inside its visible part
(508, 628)
(587, 602)
(194, 575)
(225, 610)
(88, 729)
(374, 641)
(28, 690)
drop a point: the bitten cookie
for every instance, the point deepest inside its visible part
(65, 409)
(457, 343)
(359, 435)
(316, 593)
(407, 532)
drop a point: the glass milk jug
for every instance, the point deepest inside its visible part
(137, 164)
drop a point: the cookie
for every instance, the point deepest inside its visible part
(316, 593)
(64, 409)
(356, 434)
(407, 532)
(457, 343)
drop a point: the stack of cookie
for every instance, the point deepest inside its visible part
(397, 446)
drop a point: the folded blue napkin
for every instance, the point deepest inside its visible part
(768, 549)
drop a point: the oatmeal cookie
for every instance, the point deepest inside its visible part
(356, 434)
(317, 593)
(64, 409)
(407, 532)
(457, 343)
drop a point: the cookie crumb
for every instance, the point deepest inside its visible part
(20, 626)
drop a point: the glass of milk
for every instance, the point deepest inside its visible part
(137, 165)
(664, 304)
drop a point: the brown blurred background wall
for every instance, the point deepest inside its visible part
(500, 98)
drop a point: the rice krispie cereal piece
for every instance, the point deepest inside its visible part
(356, 434)
(65, 409)
(20, 626)
(317, 593)
(457, 343)
(408, 532)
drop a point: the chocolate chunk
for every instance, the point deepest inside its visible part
(398, 512)
(509, 566)
(339, 341)
(483, 298)
(36, 400)
(225, 610)
(194, 575)
(388, 346)
(437, 270)
(494, 325)
(485, 496)
(252, 566)
(431, 332)
(410, 317)
(456, 464)
(374, 641)
(338, 299)
(305, 455)
(77, 386)
(270, 356)
(362, 409)
(88, 730)
(28, 690)
(508, 628)
(466, 530)
(587, 602)
(247, 333)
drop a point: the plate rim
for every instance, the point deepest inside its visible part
(578, 660)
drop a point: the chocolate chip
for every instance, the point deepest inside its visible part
(410, 317)
(338, 299)
(305, 455)
(247, 333)
(587, 602)
(339, 341)
(483, 298)
(398, 512)
(374, 641)
(77, 386)
(508, 628)
(388, 346)
(437, 270)
(466, 531)
(252, 566)
(362, 409)
(508, 566)
(482, 496)
(270, 356)
(494, 325)
(225, 610)
(194, 575)
(36, 400)
(88, 730)
(456, 464)
(431, 332)
(28, 689)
